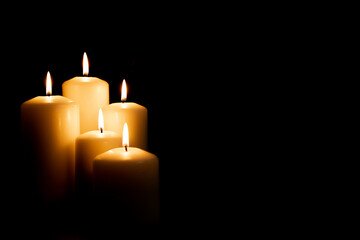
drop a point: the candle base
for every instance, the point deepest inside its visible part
(127, 183)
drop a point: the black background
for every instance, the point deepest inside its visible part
(171, 68)
(231, 95)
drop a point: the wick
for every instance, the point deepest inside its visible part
(125, 148)
(48, 94)
(101, 130)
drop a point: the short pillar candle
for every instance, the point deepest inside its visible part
(126, 180)
(50, 125)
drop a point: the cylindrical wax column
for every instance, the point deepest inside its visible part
(126, 182)
(50, 125)
(88, 146)
(116, 114)
(91, 94)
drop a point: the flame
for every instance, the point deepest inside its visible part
(125, 139)
(101, 121)
(85, 65)
(48, 84)
(123, 91)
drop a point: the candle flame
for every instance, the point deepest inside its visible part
(85, 65)
(123, 91)
(48, 84)
(125, 139)
(101, 121)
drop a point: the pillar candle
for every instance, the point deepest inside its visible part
(88, 145)
(50, 125)
(126, 180)
(135, 115)
(91, 93)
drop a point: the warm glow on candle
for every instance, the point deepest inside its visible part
(48, 84)
(101, 121)
(125, 140)
(123, 91)
(85, 65)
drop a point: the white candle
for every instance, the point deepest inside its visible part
(91, 93)
(127, 179)
(88, 145)
(135, 115)
(50, 125)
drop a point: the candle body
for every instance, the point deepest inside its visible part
(50, 125)
(135, 115)
(91, 94)
(87, 147)
(129, 180)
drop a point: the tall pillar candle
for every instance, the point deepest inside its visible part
(50, 125)
(126, 182)
(88, 145)
(135, 115)
(91, 93)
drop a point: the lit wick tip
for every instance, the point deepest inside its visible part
(85, 65)
(123, 91)
(125, 140)
(101, 121)
(48, 84)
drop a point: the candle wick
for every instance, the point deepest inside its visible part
(101, 130)
(125, 148)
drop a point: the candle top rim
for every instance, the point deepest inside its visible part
(85, 80)
(97, 134)
(122, 105)
(120, 155)
(53, 99)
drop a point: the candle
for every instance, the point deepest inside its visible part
(135, 115)
(87, 146)
(91, 93)
(126, 181)
(50, 125)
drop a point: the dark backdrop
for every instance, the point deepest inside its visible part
(208, 76)
(224, 87)
(165, 68)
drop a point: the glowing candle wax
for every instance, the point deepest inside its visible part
(50, 125)
(127, 178)
(91, 93)
(88, 145)
(135, 115)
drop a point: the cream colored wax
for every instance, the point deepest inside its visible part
(50, 125)
(116, 114)
(91, 93)
(88, 146)
(130, 181)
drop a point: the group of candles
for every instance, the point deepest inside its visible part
(80, 143)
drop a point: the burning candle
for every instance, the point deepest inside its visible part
(91, 93)
(50, 125)
(127, 179)
(88, 146)
(135, 115)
